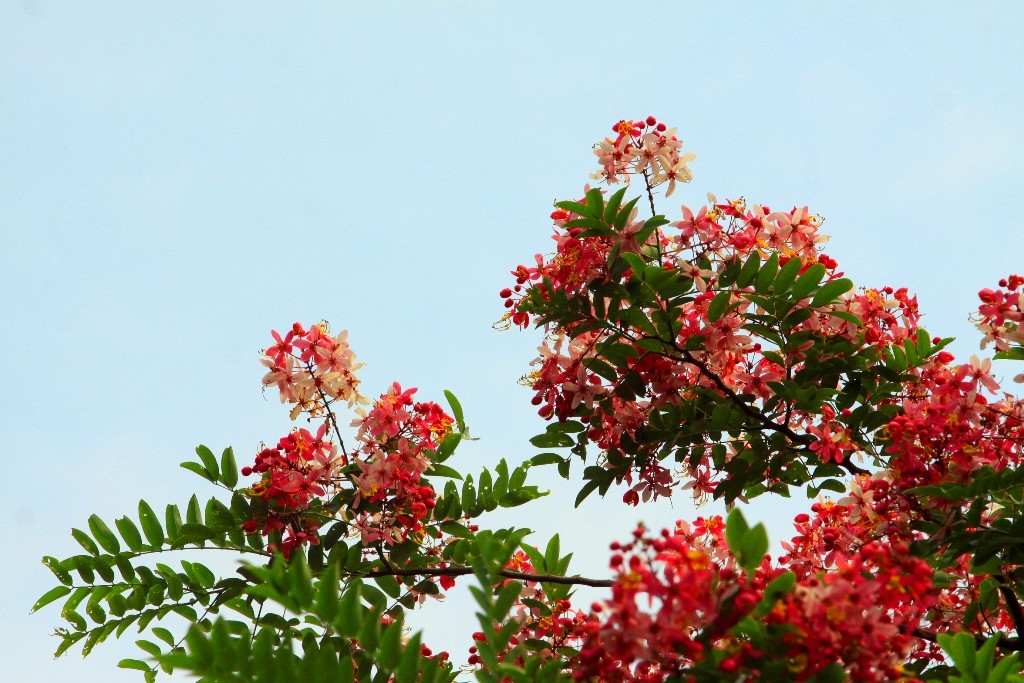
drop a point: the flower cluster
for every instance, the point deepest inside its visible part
(309, 479)
(544, 624)
(726, 346)
(679, 597)
(301, 468)
(646, 148)
(862, 614)
(1001, 314)
(395, 437)
(674, 593)
(311, 369)
(949, 426)
(725, 351)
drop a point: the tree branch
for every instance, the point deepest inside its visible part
(802, 439)
(1012, 602)
(1008, 644)
(507, 573)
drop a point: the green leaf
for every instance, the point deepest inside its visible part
(781, 585)
(301, 588)
(456, 529)
(199, 646)
(468, 496)
(49, 596)
(102, 533)
(552, 440)
(448, 445)
(635, 262)
(350, 611)
(765, 276)
(228, 468)
(624, 213)
(749, 271)
(390, 651)
(913, 359)
(1014, 353)
(787, 274)
(409, 666)
(748, 545)
(191, 534)
(594, 226)
(194, 514)
(327, 604)
(164, 635)
(808, 281)
(437, 470)
(718, 305)
(172, 519)
(456, 410)
(735, 530)
(831, 290)
(369, 632)
(150, 524)
(848, 317)
(129, 532)
(133, 664)
(575, 207)
(85, 541)
(521, 496)
(961, 648)
(217, 515)
(595, 203)
(546, 459)
(984, 658)
(198, 469)
(611, 209)
(54, 565)
(209, 463)
(587, 489)
(754, 548)
(599, 367)
(552, 553)
(506, 598)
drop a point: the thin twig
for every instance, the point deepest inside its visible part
(507, 573)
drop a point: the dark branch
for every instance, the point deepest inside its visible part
(749, 411)
(1012, 602)
(507, 573)
(1007, 644)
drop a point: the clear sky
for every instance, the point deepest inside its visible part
(176, 179)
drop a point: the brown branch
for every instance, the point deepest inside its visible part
(1012, 602)
(507, 573)
(332, 419)
(1008, 644)
(802, 439)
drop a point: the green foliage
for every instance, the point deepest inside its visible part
(351, 610)
(977, 664)
(748, 545)
(336, 609)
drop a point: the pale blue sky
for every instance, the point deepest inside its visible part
(179, 178)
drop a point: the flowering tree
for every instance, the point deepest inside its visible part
(721, 354)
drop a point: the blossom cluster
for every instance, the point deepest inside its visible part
(734, 352)
(1001, 315)
(679, 595)
(652, 324)
(308, 480)
(311, 369)
(395, 437)
(300, 469)
(547, 625)
(646, 148)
